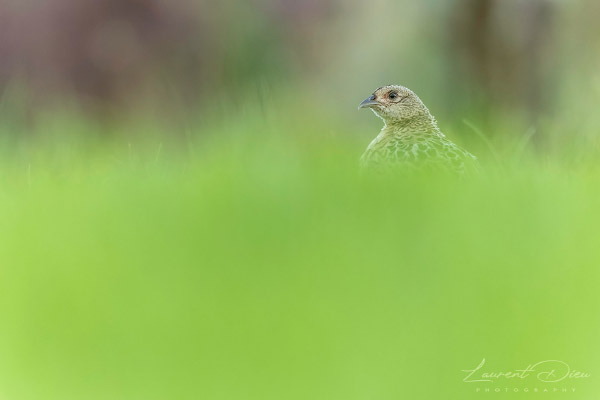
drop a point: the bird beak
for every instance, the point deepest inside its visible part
(369, 103)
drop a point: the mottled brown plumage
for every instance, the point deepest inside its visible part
(410, 138)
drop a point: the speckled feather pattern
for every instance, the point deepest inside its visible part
(410, 139)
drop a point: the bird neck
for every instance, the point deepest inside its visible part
(421, 125)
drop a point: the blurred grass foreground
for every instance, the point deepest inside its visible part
(253, 263)
(182, 217)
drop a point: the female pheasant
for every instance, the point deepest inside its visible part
(410, 138)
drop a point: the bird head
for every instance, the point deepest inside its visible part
(396, 104)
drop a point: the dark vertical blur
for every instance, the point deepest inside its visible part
(503, 53)
(100, 50)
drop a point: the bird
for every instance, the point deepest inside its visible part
(410, 139)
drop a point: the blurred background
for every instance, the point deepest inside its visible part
(530, 62)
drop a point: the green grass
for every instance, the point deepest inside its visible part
(253, 263)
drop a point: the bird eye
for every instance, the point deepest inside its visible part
(393, 95)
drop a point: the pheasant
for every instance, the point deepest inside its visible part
(410, 139)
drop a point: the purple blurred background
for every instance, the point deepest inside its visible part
(463, 54)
